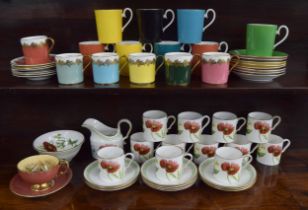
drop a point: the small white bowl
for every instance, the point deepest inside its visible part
(67, 142)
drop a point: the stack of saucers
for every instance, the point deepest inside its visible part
(33, 72)
(188, 178)
(257, 68)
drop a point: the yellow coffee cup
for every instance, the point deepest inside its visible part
(109, 24)
(125, 48)
(142, 68)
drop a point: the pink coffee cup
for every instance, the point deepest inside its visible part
(215, 67)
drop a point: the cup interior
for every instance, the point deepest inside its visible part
(154, 114)
(173, 139)
(207, 43)
(224, 116)
(90, 43)
(129, 42)
(36, 162)
(110, 152)
(169, 152)
(260, 115)
(168, 43)
(206, 139)
(274, 139)
(189, 115)
(228, 153)
(138, 137)
(240, 139)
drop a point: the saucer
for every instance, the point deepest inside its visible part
(20, 62)
(258, 78)
(23, 189)
(93, 180)
(148, 173)
(277, 55)
(247, 180)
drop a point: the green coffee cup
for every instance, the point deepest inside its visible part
(260, 38)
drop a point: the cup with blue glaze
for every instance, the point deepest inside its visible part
(70, 68)
(105, 67)
(191, 24)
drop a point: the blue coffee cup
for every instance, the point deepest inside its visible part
(105, 67)
(190, 24)
(69, 68)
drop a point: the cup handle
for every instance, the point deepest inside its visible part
(129, 19)
(190, 159)
(244, 122)
(165, 16)
(183, 48)
(132, 156)
(237, 61)
(161, 64)
(253, 149)
(277, 123)
(197, 63)
(52, 44)
(64, 164)
(225, 44)
(206, 15)
(285, 36)
(106, 48)
(130, 126)
(287, 145)
(249, 159)
(172, 117)
(207, 122)
(88, 64)
(147, 44)
(125, 64)
(157, 146)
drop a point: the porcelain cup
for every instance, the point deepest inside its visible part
(205, 148)
(40, 170)
(70, 68)
(174, 140)
(178, 68)
(224, 126)
(242, 143)
(270, 153)
(155, 125)
(142, 68)
(170, 162)
(260, 125)
(190, 125)
(228, 164)
(36, 49)
(105, 68)
(141, 148)
(215, 67)
(111, 162)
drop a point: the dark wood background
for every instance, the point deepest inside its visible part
(25, 116)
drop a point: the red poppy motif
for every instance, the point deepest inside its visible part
(169, 165)
(111, 167)
(231, 168)
(226, 128)
(106, 145)
(193, 127)
(275, 150)
(155, 126)
(49, 147)
(244, 150)
(262, 127)
(209, 151)
(142, 149)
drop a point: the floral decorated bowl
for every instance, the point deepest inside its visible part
(64, 144)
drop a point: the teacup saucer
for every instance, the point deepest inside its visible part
(93, 179)
(247, 180)
(148, 173)
(23, 189)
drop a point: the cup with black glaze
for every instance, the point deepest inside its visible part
(150, 24)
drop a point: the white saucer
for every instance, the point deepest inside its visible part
(148, 172)
(93, 180)
(257, 78)
(247, 180)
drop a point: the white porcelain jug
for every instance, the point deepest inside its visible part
(103, 135)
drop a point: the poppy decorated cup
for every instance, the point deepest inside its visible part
(242, 143)
(228, 163)
(140, 147)
(205, 148)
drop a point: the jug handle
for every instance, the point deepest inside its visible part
(130, 127)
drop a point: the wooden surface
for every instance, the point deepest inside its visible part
(277, 188)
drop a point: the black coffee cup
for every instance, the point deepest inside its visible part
(150, 24)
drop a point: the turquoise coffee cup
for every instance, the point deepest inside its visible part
(105, 67)
(69, 68)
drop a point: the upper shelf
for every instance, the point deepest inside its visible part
(293, 82)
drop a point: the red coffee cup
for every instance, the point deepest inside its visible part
(36, 49)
